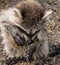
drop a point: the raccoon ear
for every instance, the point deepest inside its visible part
(46, 14)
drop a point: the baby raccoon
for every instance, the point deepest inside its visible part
(20, 26)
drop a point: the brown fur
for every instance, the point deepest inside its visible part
(31, 12)
(25, 14)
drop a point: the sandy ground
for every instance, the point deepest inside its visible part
(52, 27)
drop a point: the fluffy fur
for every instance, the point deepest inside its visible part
(28, 16)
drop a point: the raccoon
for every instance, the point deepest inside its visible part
(20, 27)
